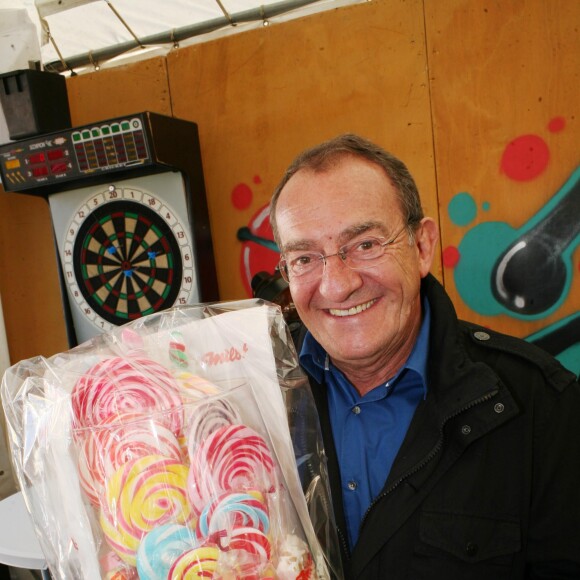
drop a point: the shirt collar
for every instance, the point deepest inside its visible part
(316, 360)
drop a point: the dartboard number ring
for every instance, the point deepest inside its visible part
(126, 254)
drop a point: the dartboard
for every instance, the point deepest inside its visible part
(126, 255)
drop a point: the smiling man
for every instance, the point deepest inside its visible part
(452, 450)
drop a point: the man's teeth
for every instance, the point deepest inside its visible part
(351, 311)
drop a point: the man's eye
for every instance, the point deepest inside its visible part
(302, 261)
(366, 245)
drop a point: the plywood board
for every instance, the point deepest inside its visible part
(262, 96)
(29, 286)
(123, 90)
(506, 116)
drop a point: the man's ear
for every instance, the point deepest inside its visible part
(426, 238)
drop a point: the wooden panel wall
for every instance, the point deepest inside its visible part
(29, 287)
(263, 96)
(445, 85)
(506, 118)
(119, 91)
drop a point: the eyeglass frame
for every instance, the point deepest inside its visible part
(284, 270)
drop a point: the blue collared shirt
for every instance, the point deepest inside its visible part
(369, 430)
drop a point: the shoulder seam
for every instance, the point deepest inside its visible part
(554, 373)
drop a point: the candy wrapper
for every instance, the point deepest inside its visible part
(182, 445)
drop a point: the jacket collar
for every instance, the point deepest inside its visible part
(456, 378)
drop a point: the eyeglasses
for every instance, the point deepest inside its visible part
(357, 255)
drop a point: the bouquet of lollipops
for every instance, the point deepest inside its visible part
(161, 451)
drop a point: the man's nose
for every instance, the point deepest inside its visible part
(338, 280)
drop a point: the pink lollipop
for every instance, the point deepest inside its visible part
(120, 440)
(206, 418)
(232, 458)
(251, 541)
(251, 550)
(117, 386)
(199, 562)
(141, 495)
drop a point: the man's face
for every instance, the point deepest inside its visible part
(360, 317)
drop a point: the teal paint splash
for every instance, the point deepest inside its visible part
(462, 209)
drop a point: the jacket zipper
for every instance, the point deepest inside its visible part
(430, 456)
(343, 542)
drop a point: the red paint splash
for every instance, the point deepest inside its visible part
(556, 124)
(451, 257)
(257, 179)
(525, 158)
(241, 196)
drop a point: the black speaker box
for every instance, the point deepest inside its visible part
(34, 102)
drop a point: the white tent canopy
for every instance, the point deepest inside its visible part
(67, 35)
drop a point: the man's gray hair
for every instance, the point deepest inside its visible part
(324, 156)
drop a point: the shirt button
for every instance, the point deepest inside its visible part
(356, 409)
(352, 485)
(480, 335)
(471, 549)
(499, 408)
(466, 429)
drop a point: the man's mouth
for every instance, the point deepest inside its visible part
(351, 311)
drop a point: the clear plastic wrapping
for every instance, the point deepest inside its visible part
(182, 445)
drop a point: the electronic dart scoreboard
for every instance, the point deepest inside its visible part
(130, 217)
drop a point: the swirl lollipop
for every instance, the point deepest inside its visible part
(118, 385)
(248, 551)
(252, 541)
(232, 510)
(197, 563)
(206, 418)
(141, 495)
(119, 440)
(160, 548)
(232, 458)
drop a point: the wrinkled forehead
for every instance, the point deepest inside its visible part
(320, 209)
(350, 178)
(309, 169)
